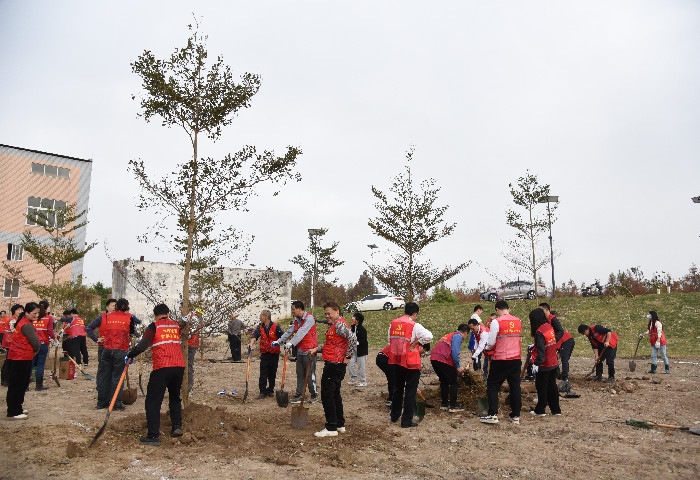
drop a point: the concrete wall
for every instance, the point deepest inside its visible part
(167, 279)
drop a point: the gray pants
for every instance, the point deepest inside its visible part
(191, 352)
(358, 367)
(302, 364)
(655, 354)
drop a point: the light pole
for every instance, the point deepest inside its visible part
(372, 247)
(314, 232)
(553, 199)
(695, 199)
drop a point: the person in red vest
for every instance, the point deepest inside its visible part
(305, 338)
(25, 344)
(109, 308)
(565, 342)
(505, 342)
(4, 324)
(163, 336)
(7, 330)
(44, 331)
(382, 361)
(78, 346)
(445, 361)
(267, 332)
(337, 351)
(405, 337)
(481, 334)
(116, 328)
(604, 344)
(545, 363)
(657, 338)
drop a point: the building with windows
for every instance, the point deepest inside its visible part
(32, 181)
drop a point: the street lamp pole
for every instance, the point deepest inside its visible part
(314, 232)
(372, 247)
(553, 199)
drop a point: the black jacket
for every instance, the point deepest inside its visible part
(362, 345)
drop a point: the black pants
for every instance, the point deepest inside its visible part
(100, 348)
(383, 364)
(169, 378)
(18, 374)
(78, 350)
(268, 372)
(331, 378)
(565, 352)
(235, 344)
(500, 371)
(448, 382)
(404, 394)
(609, 357)
(66, 345)
(547, 391)
(5, 375)
(108, 373)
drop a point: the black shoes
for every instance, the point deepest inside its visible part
(155, 442)
(413, 424)
(176, 432)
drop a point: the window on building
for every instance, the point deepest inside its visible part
(11, 288)
(50, 170)
(15, 252)
(38, 208)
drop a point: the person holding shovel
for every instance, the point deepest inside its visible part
(163, 336)
(657, 338)
(340, 345)
(545, 364)
(43, 326)
(25, 344)
(305, 338)
(604, 344)
(445, 361)
(565, 342)
(267, 332)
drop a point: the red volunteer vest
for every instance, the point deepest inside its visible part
(400, 333)
(100, 338)
(550, 346)
(41, 326)
(7, 337)
(165, 347)
(266, 340)
(385, 351)
(653, 336)
(482, 331)
(443, 350)
(564, 337)
(310, 340)
(508, 338)
(600, 339)
(77, 327)
(115, 327)
(336, 347)
(66, 329)
(20, 349)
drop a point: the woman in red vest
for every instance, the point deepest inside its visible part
(545, 364)
(267, 332)
(338, 349)
(163, 336)
(44, 330)
(25, 344)
(7, 330)
(657, 338)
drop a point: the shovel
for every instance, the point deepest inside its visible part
(140, 375)
(282, 396)
(247, 374)
(633, 366)
(649, 425)
(600, 357)
(86, 375)
(300, 414)
(54, 374)
(129, 394)
(111, 406)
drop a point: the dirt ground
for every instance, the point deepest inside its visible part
(225, 438)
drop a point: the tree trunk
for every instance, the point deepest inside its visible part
(534, 262)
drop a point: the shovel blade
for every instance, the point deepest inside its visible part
(282, 398)
(482, 406)
(300, 416)
(694, 430)
(633, 366)
(245, 395)
(100, 431)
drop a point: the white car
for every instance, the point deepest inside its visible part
(375, 302)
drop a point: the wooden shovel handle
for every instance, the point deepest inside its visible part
(284, 370)
(119, 387)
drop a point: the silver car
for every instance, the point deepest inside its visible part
(375, 302)
(514, 290)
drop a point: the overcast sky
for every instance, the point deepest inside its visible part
(600, 99)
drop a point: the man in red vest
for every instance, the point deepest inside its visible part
(338, 349)
(8, 329)
(445, 361)
(405, 336)
(78, 346)
(481, 335)
(565, 342)
(109, 308)
(267, 332)
(163, 336)
(604, 345)
(115, 328)
(303, 329)
(504, 340)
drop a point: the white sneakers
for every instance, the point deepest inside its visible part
(515, 420)
(327, 433)
(341, 429)
(489, 419)
(21, 416)
(361, 384)
(532, 412)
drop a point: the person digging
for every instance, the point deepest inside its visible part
(604, 344)
(163, 336)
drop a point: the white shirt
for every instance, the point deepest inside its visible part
(476, 317)
(493, 333)
(480, 347)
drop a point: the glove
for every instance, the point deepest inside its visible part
(658, 344)
(275, 344)
(535, 368)
(288, 345)
(128, 360)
